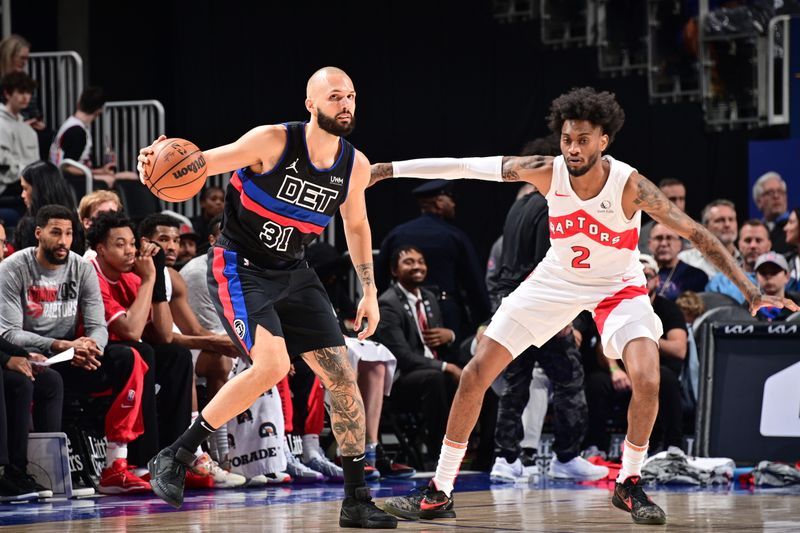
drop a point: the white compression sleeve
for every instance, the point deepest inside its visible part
(448, 168)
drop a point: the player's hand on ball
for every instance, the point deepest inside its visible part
(146, 157)
(764, 300)
(367, 308)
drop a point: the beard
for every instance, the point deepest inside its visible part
(52, 258)
(580, 171)
(332, 126)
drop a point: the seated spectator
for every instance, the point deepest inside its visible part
(770, 197)
(753, 242)
(48, 296)
(605, 387)
(19, 145)
(792, 232)
(187, 248)
(675, 275)
(675, 191)
(95, 203)
(15, 52)
(719, 217)
(411, 328)
(211, 352)
(692, 306)
(137, 314)
(212, 201)
(772, 274)
(43, 184)
(74, 140)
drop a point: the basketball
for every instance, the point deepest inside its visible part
(177, 172)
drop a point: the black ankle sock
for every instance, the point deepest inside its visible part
(192, 437)
(530, 452)
(510, 457)
(353, 473)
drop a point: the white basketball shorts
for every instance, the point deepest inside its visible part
(550, 298)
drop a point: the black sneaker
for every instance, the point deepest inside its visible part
(629, 496)
(168, 474)
(11, 492)
(360, 511)
(26, 482)
(425, 503)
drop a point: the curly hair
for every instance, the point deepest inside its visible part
(585, 103)
(104, 223)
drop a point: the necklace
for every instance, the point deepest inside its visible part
(665, 285)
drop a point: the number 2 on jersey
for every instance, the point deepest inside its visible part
(579, 261)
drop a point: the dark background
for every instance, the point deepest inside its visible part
(433, 79)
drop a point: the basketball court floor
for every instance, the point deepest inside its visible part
(541, 506)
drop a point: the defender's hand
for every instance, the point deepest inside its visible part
(762, 300)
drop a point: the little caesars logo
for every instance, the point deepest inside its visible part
(193, 167)
(238, 326)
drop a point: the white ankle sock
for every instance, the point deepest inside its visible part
(311, 447)
(632, 460)
(449, 462)
(114, 451)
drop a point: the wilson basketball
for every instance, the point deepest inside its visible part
(177, 172)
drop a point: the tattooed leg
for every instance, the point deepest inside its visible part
(347, 409)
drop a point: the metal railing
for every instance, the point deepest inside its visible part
(60, 77)
(126, 126)
(778, 30)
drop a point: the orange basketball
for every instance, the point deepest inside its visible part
(178, 170)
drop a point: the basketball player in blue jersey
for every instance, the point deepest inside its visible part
(289, 180)
(595, 204)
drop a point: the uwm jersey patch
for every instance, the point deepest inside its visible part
(278, 213)
(592, 237)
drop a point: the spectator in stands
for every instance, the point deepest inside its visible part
(24, 387)
(753, 242)
(95, 203)
(3, 242)
(770, 197)
(42, 184)
(675, 275)
(19, 145)
(675, 191)
(411, 327)
(212, 200)
(187, 246)
(719, 217)
(48, 296)
(792, 232)
(772, 273)
(15, 52)
(454, 268)
(214, 348)
(692, 306)
(74, 140)
(138, 315)
(605, 387)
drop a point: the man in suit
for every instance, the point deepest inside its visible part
(411, 327)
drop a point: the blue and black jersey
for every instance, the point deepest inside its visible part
(270, 218)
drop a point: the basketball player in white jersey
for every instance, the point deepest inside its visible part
(595, 205)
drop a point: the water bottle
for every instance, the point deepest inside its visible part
(109, 156)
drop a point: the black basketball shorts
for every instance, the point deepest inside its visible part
(288, 303)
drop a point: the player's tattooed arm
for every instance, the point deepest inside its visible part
(347, 409)
(366, 275)
(379, 172)
(645, 195)
(534, 169)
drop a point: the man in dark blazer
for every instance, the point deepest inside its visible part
(411, 327)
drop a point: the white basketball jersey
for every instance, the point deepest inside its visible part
(591, 238)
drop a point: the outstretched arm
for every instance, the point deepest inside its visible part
(534, 169)
(641, 193)
(359, 243)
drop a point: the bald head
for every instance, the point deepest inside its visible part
(325, 78)
(331, 101)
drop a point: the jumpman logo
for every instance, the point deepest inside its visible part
(293, 166)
